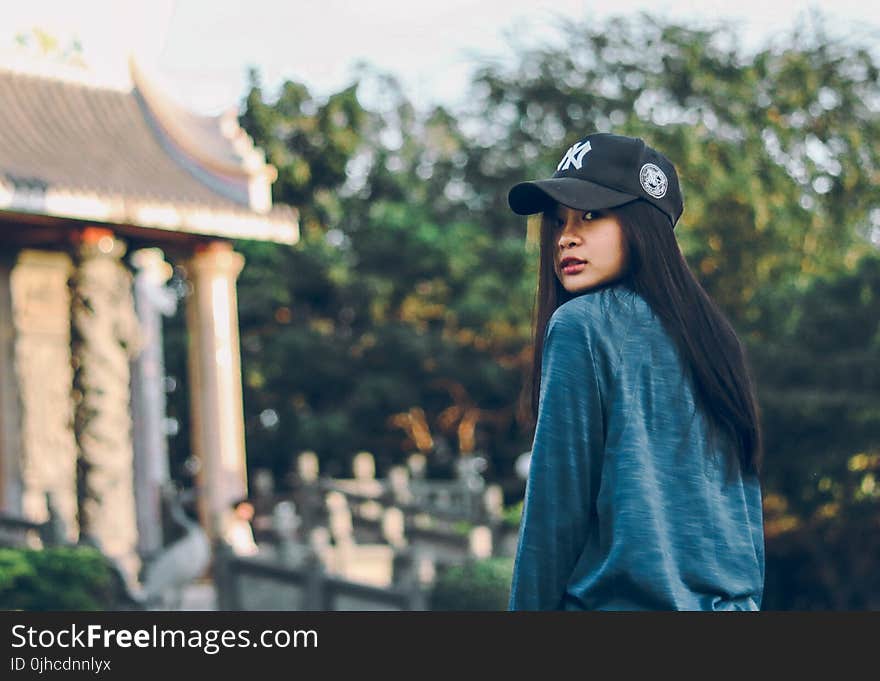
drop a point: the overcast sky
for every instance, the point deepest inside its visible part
(199, 50)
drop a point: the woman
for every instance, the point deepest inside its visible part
(643, 490)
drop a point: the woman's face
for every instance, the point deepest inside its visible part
(594, 239)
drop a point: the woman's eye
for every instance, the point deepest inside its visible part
(590, 215)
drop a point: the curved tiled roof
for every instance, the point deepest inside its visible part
(216, 141)
(131, 154)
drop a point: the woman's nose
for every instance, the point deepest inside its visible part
(566, 239)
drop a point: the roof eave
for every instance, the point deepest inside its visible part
(279, 226)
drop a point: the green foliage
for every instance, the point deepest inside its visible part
(828, 562)
(309, 142)
(462, 527)
(476, 585)
(818, 388)
(59, 578)
(387, 299)
(513, 514)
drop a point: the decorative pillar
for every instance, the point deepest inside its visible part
(215, 381)
(152, 300)
(10, 410)
(44, 377)
(106, 338)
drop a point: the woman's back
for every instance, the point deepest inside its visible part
(622, 457)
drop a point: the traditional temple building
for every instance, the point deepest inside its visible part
(101, 188)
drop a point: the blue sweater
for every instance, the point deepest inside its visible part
(625, 509)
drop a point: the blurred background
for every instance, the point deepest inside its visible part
(265, 315)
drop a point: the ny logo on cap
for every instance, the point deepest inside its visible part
(574, 156)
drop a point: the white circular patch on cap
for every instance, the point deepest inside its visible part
(653, 180)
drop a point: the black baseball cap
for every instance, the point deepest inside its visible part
(603, 171)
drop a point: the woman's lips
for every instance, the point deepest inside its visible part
(573, 268)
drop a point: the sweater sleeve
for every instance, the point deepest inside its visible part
(569, 439)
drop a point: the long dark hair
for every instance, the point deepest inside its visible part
(708, 344)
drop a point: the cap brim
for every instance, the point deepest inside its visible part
(536, 196)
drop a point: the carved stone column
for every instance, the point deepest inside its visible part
(215, 381)
(106, 337)
(10, 408)
(152, 300)
(43, 372)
